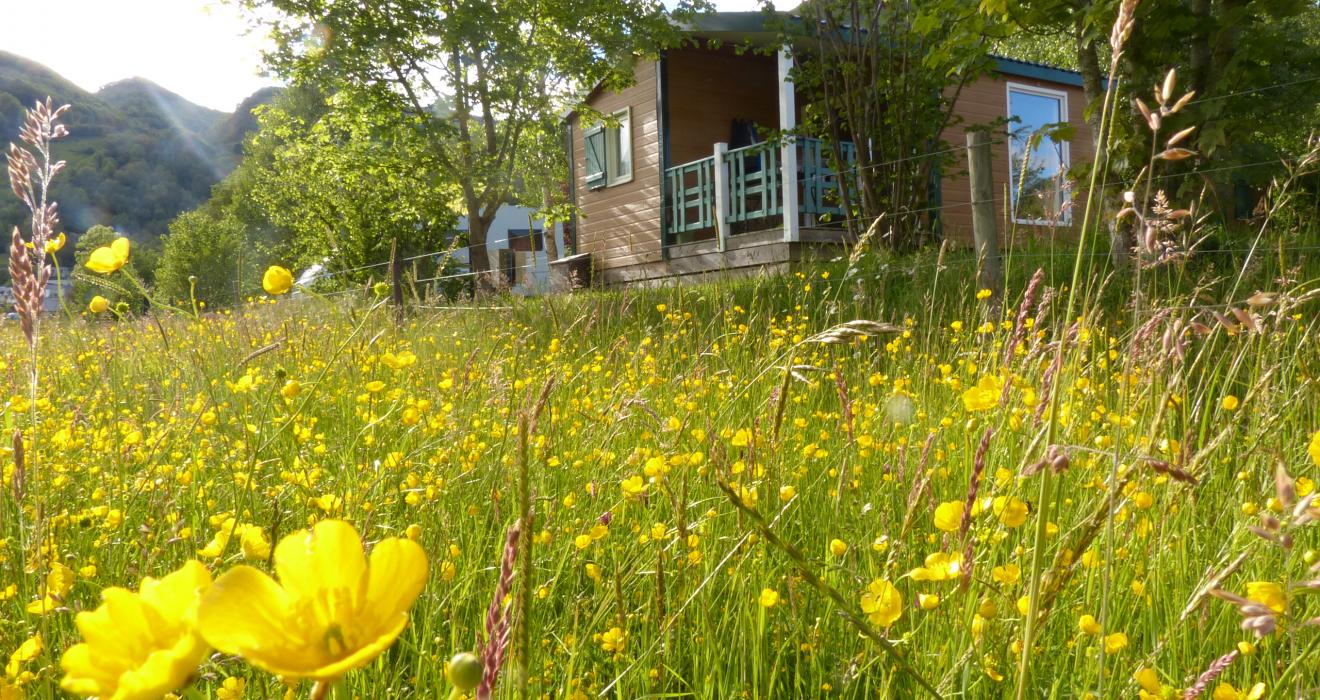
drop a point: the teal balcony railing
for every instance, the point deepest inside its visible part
(820, 183)
(752, 183)
(690, 197)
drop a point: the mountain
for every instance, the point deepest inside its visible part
(137, 154)
(230, 131)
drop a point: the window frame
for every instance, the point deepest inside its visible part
(594, 180)
(617, 148)
(1065, 152)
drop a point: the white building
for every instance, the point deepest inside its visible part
(53, 290)
(515, 246)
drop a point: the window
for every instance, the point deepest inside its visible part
(508, 266)
(609, 151)
(1038, 155)
(526, 240)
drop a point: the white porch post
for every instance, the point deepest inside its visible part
(788, 161)
(721, 195)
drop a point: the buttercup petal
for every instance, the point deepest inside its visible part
(120, 248)
(246, 614)
(104, 261)
(397, 575)
(327, 558)
(176, 596)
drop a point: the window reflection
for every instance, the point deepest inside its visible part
(1038, 162)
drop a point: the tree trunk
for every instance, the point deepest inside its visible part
(1093, 87)
(478, 254)
(548, 236)
(1093, 81)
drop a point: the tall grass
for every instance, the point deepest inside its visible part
(152, 446)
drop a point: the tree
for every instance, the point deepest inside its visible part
(1242, 58)
(503, 68)
(885, 77)
(347, 184)
(208, 259)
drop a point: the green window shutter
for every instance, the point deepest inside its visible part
(594, 146)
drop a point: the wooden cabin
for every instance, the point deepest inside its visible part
(676, 182)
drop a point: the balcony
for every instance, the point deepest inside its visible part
(735, 192)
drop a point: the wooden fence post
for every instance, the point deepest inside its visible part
(396, 280)
(721, 177)
(989, 270)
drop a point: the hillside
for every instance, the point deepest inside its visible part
(138, 154)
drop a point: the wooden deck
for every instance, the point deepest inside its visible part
(746, 254)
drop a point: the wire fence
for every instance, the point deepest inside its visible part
(1063, 224)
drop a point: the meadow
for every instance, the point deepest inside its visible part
(825, 484)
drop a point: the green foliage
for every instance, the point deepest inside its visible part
(1051, 49)
(1251, 63)
(480, 83)
(348, 183)
(212, 252)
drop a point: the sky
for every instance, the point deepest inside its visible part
(200, 49)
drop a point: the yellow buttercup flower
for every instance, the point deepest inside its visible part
(613, 640)
(98, 304)
(109, 258)
(232, 689)
(139, 646)
(769, 598)
(59, 581)
(1269, 594)
(56, 244)
(254, 543)
(633, 486)
(882, 603)
(1007, 574)
(277, 280)
(1313, 449)
(939, 566)
(403, 360)
(985, 395)
(1149, 680)
(1225, 691)
(332, 611)
(27, 651)
(949, 515)
(1012, 512)
(1115, 642)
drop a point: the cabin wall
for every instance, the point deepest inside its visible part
(620, 224)
(981, 103)
(711, 87)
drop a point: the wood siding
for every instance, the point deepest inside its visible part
(620, 224)
(981, 103)
(708, 89)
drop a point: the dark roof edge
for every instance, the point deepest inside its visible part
(1036, 71)
(719, 22)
